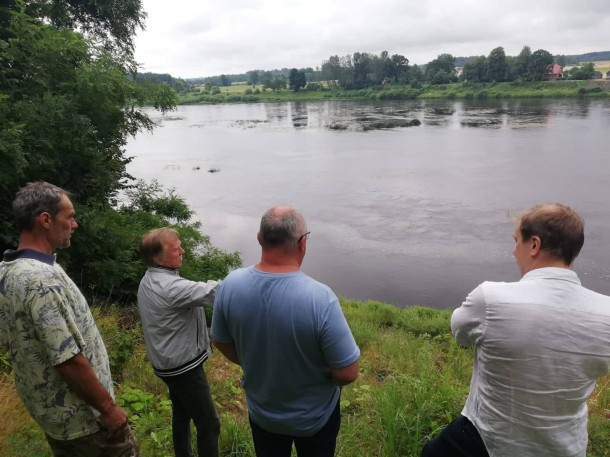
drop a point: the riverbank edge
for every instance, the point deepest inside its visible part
(413, 380)
(592, 89)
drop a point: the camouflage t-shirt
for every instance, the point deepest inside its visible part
(44, 321)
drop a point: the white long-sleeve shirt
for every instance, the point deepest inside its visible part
(540, 345)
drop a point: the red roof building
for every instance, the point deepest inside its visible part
(555, 71)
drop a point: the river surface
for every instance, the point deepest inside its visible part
(404, 215)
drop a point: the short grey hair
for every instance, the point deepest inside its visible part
(34, 199)
(281, 226)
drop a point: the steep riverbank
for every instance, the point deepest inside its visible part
(413, 381)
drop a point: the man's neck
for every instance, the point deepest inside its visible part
(277, 261)
(29, 240)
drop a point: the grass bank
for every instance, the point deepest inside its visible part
(413, 381)
(544, 89)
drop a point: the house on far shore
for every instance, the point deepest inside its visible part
(608, 75)
(597, 75)
(554, 72)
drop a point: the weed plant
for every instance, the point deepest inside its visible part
(413, 381)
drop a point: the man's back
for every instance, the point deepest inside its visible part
(541, 343)
(288, 329)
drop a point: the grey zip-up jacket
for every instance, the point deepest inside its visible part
(173, 320)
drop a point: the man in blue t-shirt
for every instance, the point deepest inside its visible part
(288, 333)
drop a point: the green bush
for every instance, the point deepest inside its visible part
(103, 258)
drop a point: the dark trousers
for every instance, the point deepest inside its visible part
(322, 444)
(191, 400)
(97, 445)
(459, 439)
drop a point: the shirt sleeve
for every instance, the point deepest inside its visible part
(187, 294)
(220, 329)
(337, 342)
(468, 321)
(54, 324)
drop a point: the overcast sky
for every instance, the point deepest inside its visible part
(192, 38)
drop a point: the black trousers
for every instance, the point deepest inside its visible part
(322, 444)
(192, 400)
(459, 439)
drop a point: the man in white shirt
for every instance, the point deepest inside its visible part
(540, 344)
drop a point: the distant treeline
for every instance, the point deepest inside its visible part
(362, 70)
(178, 84)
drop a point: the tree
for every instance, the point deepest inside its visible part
(476, 71)
(399, 67)
(113, 269)
(361, 62)
(296, 79)
(252, 77)
(224, 81)
(331, 70)
(69, 100)
(415, 76)
(522, 64)
(441, 70)
(265, 78)
(497, 69)
(584, 72)
(540, 62)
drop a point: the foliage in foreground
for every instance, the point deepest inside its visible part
(413, 381)
(103, 254)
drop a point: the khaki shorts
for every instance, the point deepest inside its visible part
(96, 445)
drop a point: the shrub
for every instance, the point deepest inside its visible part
(103, 258)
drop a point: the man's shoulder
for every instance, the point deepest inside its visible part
(27, 269)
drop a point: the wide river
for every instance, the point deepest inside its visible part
(405, 215)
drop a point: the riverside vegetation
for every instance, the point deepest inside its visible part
(413, 380)
(242, 93)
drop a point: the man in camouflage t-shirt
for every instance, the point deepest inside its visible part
(59, 361)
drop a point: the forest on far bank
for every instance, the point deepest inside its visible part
(362, 70)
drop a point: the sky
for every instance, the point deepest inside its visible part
(195, 38)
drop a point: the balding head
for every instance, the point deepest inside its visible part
(281, 227)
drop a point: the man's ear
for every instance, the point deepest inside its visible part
(45, 219)
(535, 245)
(258, 238)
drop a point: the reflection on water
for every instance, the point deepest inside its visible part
(407, 215)
(363, 116)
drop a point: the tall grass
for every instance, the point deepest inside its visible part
(413, 381)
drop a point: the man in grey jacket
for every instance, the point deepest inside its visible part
(177, 341)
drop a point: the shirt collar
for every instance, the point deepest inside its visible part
(169, 270)
(564, 274)
(10, 255)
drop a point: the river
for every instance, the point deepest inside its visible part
(416, 215)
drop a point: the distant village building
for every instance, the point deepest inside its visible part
(597, 75)
(608, 75)
(554, 72)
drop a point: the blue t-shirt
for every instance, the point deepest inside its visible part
(288, 330)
